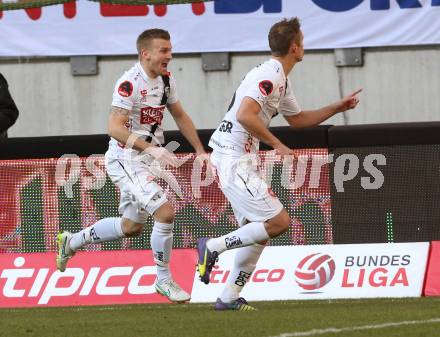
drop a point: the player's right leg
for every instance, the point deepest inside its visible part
(245, 262)
(240, 304)
(253, 232)
(207, 260)
(64, 251)
(161, 240)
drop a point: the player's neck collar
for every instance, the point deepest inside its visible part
(144, 74)
(279, 64)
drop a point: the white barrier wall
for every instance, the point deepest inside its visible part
(400, 85)
(324, 272)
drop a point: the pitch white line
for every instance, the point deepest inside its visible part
(315, 332)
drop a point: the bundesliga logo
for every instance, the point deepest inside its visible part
(315, 271)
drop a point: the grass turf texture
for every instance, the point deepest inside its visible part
(194, 320)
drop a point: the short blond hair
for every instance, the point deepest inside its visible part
(144, 39)
(282, 34)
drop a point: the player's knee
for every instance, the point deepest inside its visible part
(279, 224)
(165, 213)
(133, 229)
(168, 218)
(284, 222)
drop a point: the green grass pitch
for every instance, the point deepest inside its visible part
(412, 317)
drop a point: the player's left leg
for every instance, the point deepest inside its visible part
(245, 262)
(246, 259)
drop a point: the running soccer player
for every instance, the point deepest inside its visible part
(265, 91)
(139, 101)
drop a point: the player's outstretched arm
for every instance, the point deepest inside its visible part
(186, 126)
(314, 117)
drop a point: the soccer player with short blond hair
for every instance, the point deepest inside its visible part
(264, 92)
(140, 98)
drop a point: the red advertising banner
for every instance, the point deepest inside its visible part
(432, 284)
(92, 278)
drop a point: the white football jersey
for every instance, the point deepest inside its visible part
(268, 85)
(142, 96)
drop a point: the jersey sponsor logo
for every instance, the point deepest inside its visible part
(144, 96)
(225, 126)
(265, 87)
(125, 89)
(151, 115)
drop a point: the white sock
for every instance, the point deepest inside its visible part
(253, 232)
(162, 244)
(246, 259)
(107, 229)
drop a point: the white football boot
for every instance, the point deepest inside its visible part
(64, 251)
(172, 290)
